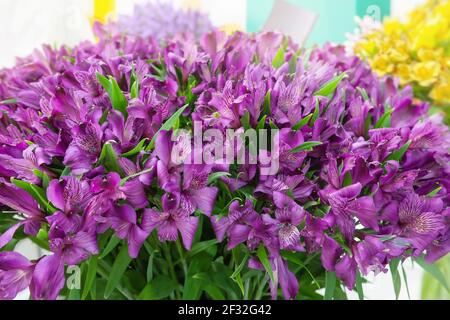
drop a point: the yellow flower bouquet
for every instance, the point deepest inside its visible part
(417, 51)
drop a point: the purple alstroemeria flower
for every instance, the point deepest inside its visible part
(85, 148)
(125, 132)
(346, 205)
(223, 110)
(257, 231)
(288, 215)
(297, 185)
(370, 255)
(134, 189)
(420, 220)
(70, 195)
(15, 274)
(331, 252)
(105, 190)
(24, 168)
(314, 232)
(190, 182)
(238, 215)
(441, 246)
(123, 221)
(28, 208)
(285, 142)
(172, 220)
(345, 270)
(195, 190)
(73, 240)
(282, 276)
(48, 278)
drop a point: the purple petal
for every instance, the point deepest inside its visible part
(346, 271)
(55, 194)
(136, 239)
(135, 193)
(204, 199)
(238, 234)
(187, 228)
(331, 251)
(6, 237)
(48, 278)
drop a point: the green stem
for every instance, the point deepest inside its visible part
(102, 271)
(171, 268)
(261, 287)
(183, 260)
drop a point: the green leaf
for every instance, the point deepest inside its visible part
(135, 175)
(316, 113)
(398, 155)
(363, 93)
(396, 280)
(158, 288)
(307, 146)
(302, 122)
(240, 266)
(267, 110)
(433, 270)
(431, 288)
(280, 57)
(262, 255)
(108, 158)
(150, 267)
(201, 246)
(65, 172)
(245, 121)
(385, 119)
(112, 244)
(330, 285)
(358, 286)
(217, 175)
(43, 176)
(36, 192)
(214, 292)
(106, 84)
(9, 101)
(118, 269)
(261, 123)
(90, 276)
(433, 193)
(236, 276)
(405, 280)
(292, 257)
(167, 125)
(136, 149)
(118, 100)
(134, 91)
(330, 87)
(348, 179)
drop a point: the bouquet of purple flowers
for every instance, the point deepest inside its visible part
(238, 167)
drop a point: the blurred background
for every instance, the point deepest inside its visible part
(26, 24)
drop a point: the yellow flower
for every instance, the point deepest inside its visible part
(426, 73)
(404, 73)
(103, 9)
(430, 55)
(416, 50)
(441, 93)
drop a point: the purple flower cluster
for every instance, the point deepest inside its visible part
(364, 173)
(161, 20)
